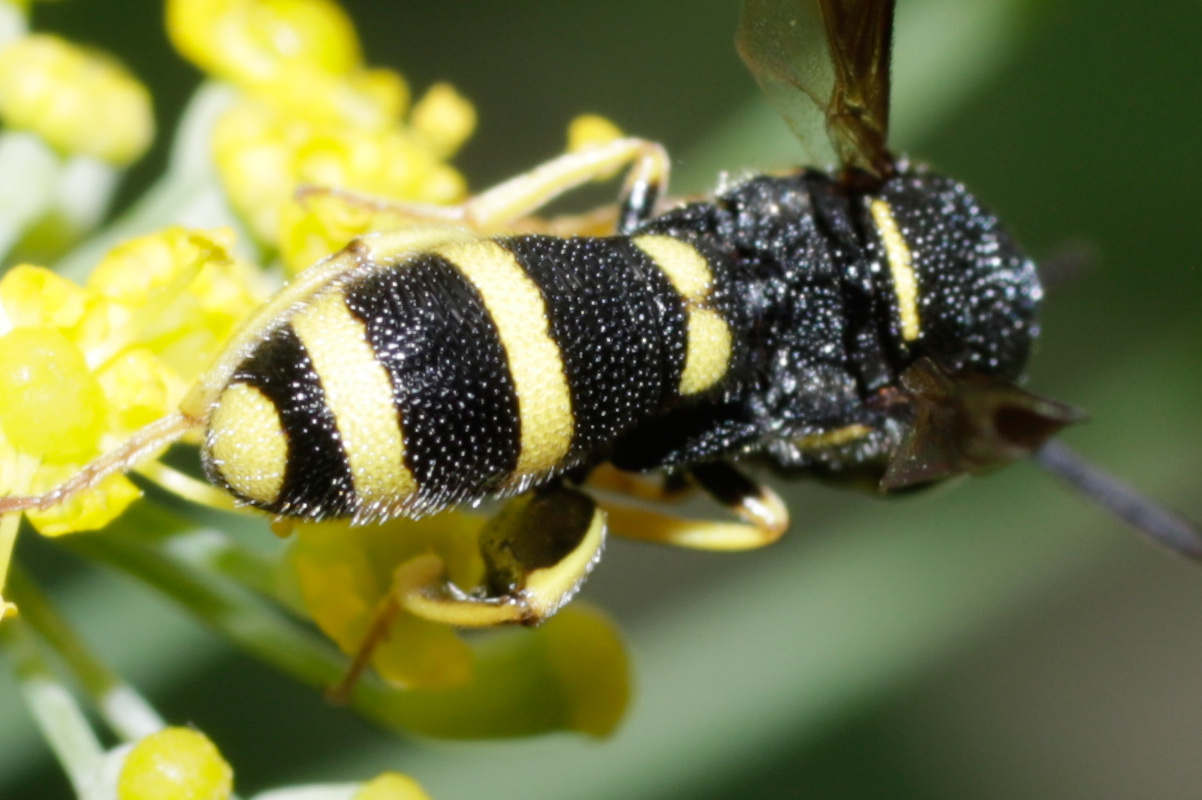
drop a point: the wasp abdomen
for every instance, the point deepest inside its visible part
(473, 369)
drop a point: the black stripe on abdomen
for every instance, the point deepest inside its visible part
(619, 325)
(317, 478)
(450, 378)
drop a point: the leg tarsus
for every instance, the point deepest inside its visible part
(765, 517)
(752, 502)
(385, 614)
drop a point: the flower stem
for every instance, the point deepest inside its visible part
(251, 623)
(9, 523)
(53, 707)
(120, 705)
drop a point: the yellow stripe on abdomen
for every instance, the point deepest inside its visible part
(516, 307)
(359, 394)
(246, 443)
(709, 347)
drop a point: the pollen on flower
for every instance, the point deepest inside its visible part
(175, 764)
(79, 101)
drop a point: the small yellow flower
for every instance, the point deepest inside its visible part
(569, 674)
(443, 120)
(590, 130)
(84, 367)
(264, 156)
(175, 764)
(391, 786)
(179, 293)
(79, 101)
(252, 42)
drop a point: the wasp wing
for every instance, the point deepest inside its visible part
(825, 64)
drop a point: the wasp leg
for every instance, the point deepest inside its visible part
(498, 208)
(765, 517)
(537, 552)
(653, 489)
(755, 504)
(141, 445)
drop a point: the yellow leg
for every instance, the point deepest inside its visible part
(653, 526)
(653, 488)
(537, 552)
(765, 516)
(499, 208)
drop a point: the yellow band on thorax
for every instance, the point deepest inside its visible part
(901, 267)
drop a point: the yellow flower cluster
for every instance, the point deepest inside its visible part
(79, 101)
(85, 366)
(72, 119)
(309, 113)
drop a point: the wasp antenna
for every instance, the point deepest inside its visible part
(149, 439)
(1162, 525)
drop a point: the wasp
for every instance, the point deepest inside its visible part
(867, 325)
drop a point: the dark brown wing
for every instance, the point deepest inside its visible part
(825, 63)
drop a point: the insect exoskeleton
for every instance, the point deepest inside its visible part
(867, 325)
(404, 379)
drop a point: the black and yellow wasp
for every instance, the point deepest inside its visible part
(865, 325)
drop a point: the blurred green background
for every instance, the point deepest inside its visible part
(999, 639)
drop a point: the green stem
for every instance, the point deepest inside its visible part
(53, 708)
(123, 709)
(252, 624)
(212, 551)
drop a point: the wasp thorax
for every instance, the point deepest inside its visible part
(965, 294)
